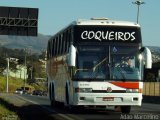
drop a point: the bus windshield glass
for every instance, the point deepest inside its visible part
(108, 63)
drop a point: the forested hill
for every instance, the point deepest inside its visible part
(155, 53)
(36, 44)
(39, 43)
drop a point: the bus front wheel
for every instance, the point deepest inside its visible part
(67, 96)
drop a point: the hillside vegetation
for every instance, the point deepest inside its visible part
(20, 42)
(13, 83)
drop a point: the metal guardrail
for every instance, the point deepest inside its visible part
(151, 88)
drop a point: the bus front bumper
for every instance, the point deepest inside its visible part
(108, 99)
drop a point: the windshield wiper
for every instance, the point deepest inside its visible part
(94, 68)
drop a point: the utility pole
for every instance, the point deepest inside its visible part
(7, 75)
(25, 67)
(138, 3)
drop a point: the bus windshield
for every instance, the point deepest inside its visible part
(108, 63)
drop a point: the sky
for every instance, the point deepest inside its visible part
(56, 14)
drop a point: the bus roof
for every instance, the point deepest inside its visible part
(104, 21)
(100, 22)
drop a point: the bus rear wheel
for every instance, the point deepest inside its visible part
(125, 109)
(53, 101)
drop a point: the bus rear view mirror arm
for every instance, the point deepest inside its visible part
(141, 50)
(147, 57)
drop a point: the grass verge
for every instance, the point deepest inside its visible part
(7, 111)
(13, 83)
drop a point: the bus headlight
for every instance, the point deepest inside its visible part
(83, 90)
(133, 90)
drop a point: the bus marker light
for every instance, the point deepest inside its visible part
(140, 90)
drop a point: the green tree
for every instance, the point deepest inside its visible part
(150, 77)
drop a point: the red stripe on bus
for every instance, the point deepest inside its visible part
(129, 85)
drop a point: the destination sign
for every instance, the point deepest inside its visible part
(107, 34)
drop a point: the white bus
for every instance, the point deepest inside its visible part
(97, 62)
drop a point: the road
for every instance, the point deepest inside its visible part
(147, 111)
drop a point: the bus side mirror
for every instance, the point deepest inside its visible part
(147, 57)
(72, 56)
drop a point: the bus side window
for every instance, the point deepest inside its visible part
(64, 43)
(48, 50)
(50, 53)
(52, 47)
(58, 44)
(69, 36)
(61, 48)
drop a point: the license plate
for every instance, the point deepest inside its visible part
(108, 98)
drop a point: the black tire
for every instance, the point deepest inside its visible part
(67, 96)
(125, 109)
(50, 92)
(53, 104)
(53, 101)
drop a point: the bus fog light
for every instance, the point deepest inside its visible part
(135, 99)
(82, 98)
